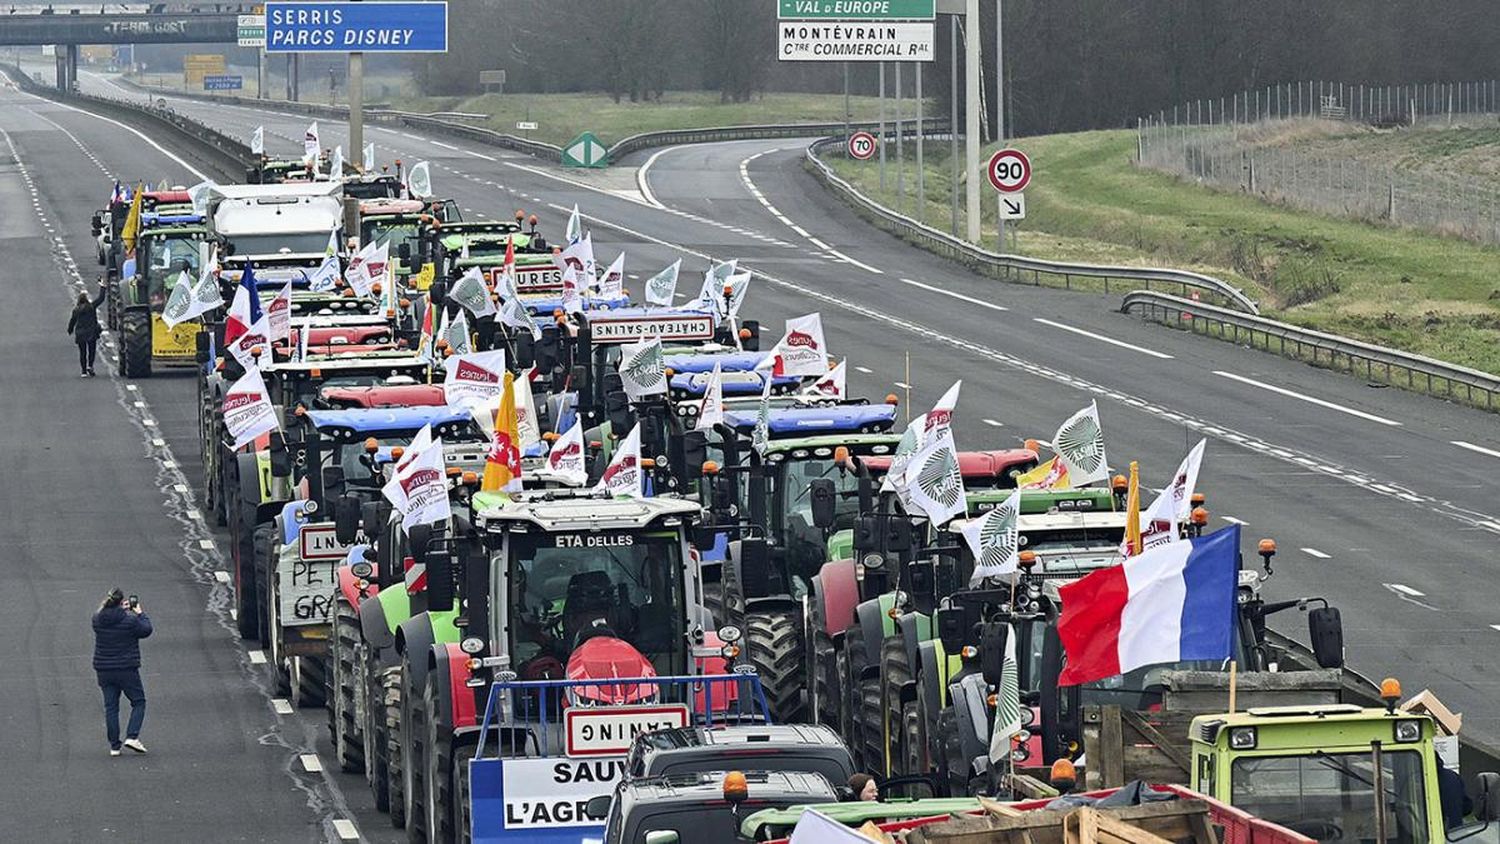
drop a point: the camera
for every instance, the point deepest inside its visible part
(133, 601)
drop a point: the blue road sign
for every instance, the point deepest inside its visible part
(374, 27)
(223, 83)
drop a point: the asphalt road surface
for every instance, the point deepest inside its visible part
(1381, 501)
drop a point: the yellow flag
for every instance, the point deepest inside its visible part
(502, 464)
(132, 227)
(1050, 475)
(1133, 512)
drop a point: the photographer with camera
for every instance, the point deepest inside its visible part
(119, 626)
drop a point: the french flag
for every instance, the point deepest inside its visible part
(1175, 602)
(245, 310)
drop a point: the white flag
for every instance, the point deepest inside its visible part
(201, 297)
(247, 409)
(575, 226)
(801, 351)
(311, 146)
(911, 440)
(643, 369)
(572, 293)
(941, 415)
(513, 314)
(279, 315)
(456, 332)
(336, 163)
(527, 425)
(833, 385)
(711, 410)
(814, 827)
(472, 293)
(258, 141)
(368, 267)
(419, 180)
(662, 287)
(1080, 444)
(932, 481)
(760, 436)
(994, 540)
(612, 284)
(474, 377)
(199, 194)
(1173, 505)
(326, 276)
(624, 477)
(578, 255)
(369, 157)
(567, 462)
(420, 488)
(258, 336)
(1007, 702)
(739, 285)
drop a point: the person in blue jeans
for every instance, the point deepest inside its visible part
(119, 627)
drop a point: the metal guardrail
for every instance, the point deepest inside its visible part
(1012, 267)
(1421, 374)
(227, 157)
(672, 137)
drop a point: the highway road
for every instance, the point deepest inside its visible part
(1381, 500)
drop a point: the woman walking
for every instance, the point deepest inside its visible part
(84, 326)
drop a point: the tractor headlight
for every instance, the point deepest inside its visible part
(729, 634)
(471, 645)
(1408, 731)
(1242, 738)
(872, 561)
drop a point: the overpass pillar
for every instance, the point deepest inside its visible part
(60, 60)
(72, 66)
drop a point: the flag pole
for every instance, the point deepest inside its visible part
(907, 381)
(1233, 680)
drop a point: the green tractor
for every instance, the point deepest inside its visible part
(168, 246)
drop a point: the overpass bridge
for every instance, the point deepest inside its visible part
(69, 31)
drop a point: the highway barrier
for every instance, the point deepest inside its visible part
(1330, 351)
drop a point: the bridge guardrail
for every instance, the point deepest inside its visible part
(1011, 267)
(1421, 374)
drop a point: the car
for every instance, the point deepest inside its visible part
(785, 747)
(701, 806)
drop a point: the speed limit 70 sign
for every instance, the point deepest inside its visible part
(861, 146)
(1009, 170)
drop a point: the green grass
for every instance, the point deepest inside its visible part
(1087, 202)
(560, 117)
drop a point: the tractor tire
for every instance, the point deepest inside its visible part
(853, 659)
(263, 538)
(390, 686)
(955, 770)
(413, 758)
(309, 682)
(242, 554)
(439, 768)
(463, 821)
(344, 728)
(871, 708)
(822, 670)
(914, 742)
(895, 671)
(773, 644)
(713, 601)
(135, 344)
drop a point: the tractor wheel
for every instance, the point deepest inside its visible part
(955, 770)
(854, 660)
(264, 541)
(242, 553)
(713, 601)
(390, 686)
(871, 704)
(463, 822)
(413, 758)
(823, 666)
(439, 746)
(895, 671)
(344, 728)
(773, 644)
(309, 681)
(135, 345)
(914, 742)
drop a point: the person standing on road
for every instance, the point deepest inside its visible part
(84, 326)
(119, 627)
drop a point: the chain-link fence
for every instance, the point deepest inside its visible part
(1243, 143)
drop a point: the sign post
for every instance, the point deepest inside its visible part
(1009, 172)
(356, 28)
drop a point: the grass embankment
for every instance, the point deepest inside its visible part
(1425, 293)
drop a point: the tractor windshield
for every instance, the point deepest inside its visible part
(1331, 797)
(797, 477)
(166, 259)
(390, 230)
(566, 588)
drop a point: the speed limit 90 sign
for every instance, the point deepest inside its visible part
(1009, 170)
(861, 146)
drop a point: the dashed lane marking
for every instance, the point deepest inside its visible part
(258, 657)
(281, 706)
(952, 295)
(1313, 552)
(1232, 520)
(1405, 590)
(220, 575)
(994, 423)
(1101, 338)
(346, 829)
(311, 763)
(1476, 448)
(1309, 399)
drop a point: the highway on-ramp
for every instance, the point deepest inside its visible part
(1381, 500)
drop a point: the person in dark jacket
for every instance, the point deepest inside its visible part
(119, 627)
(84, 326)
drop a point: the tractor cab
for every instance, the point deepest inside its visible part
(372, 186)
(170, 249)
(453, 248)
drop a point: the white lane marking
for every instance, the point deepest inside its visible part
(1232, 520)
(537, 171)
(413, 137)
(818, 243)
(139, 134)
(480, 155)
(220, 575)
(862, 265)
(1101, 338)
(1292, 394)
(1495, 626)
(865, 369)
(902, 384)
(1405, 590)
(282, 706)
(1478, 448)
(258, 657)
(959, 296)
(642, 177)
(993, 423)
(311, 762)
(346, 829)
(1313, 552)
(444, 146)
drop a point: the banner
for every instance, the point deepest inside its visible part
(612, 284)
(662, 287)
(711, 409)
(932, 481)
(311, 146)
(1080, 444)
(247, 409)
(833, 385)
(474, 377)
(566, 462)
(643, 369)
